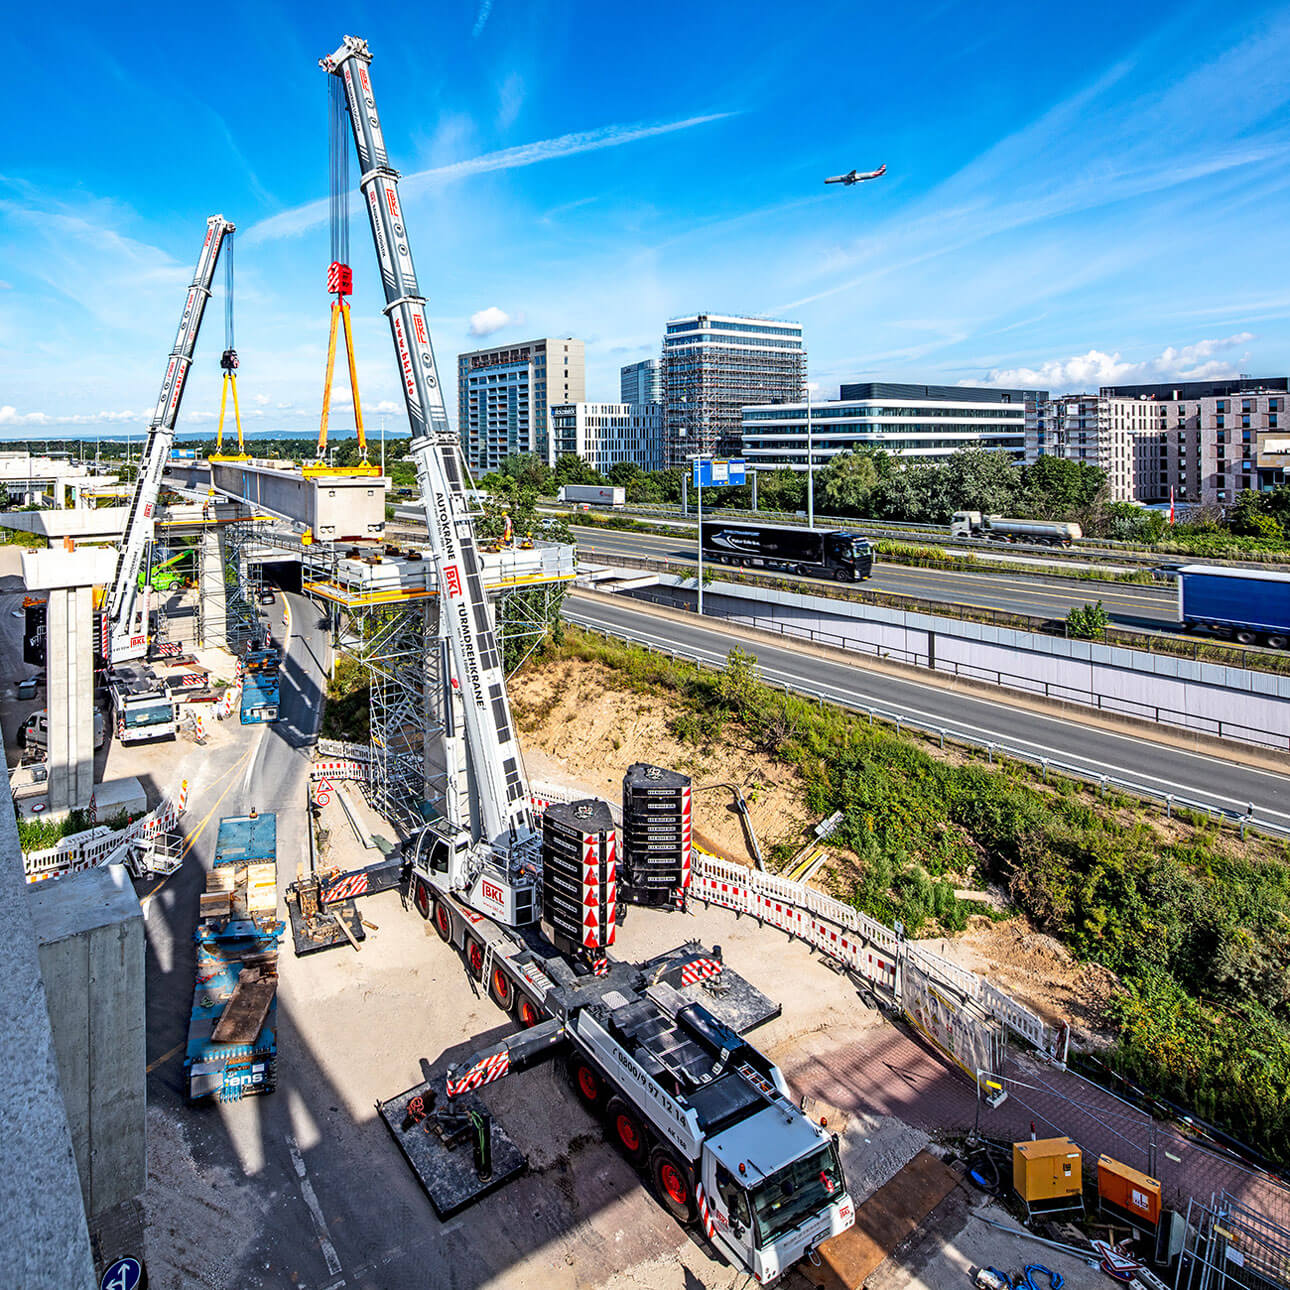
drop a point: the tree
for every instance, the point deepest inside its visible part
(624, 473)
(1054, 488)
(977, 479)
(845, 485)
(571, 469)
(1125, 522)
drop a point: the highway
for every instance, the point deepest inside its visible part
(1166, 769)
(1142, 608)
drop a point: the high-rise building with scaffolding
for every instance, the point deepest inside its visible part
(713, 366)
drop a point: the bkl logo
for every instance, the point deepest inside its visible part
(452, 576)
(491, 891)
(392, 200)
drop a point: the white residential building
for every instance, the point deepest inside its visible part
(605, 434)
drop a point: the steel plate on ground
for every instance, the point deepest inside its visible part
(448, 1177)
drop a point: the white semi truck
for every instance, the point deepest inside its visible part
(684, 1096)
(998, 528)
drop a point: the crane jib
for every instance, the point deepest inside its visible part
(476, 663)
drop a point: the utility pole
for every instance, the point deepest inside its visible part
(810, 465)
(698, 460)
(382, 444)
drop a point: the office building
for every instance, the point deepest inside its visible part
(605, 434)
(641, 382)
(504, 397)
(1201, 441)
(915, 423)
(715, 365)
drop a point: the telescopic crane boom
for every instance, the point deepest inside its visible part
(128, 606)
(494, 856)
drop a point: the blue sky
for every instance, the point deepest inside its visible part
(1074, 194)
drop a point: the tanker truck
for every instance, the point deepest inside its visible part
(997, 528)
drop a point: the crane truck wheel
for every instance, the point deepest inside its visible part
(475, 958)
(587, 1084)
(627, 1131)
(501, 989)
(675, 1188)
(421, 897)
(442, 921)
(525, 1011)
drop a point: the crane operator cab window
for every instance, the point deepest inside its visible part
(735, 1199)
(797, 1192)
(435, 851)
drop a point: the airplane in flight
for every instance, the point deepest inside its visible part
(858, 176)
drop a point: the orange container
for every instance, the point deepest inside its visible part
(1129, 1191)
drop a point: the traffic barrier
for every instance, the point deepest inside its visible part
(871, 950)
(101, 845)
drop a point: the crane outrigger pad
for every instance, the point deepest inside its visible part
(323, 932)
(699, 976)
(445, 1164)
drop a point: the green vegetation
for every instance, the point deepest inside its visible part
(1195, 923)
(345, 713)
(39, 834)
(1087, 623)
(872, 485)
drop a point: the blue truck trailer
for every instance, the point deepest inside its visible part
(261, 685)
(232, 1031)
(1250, 606)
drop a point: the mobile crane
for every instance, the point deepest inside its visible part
(684, 1095)
(128, 604)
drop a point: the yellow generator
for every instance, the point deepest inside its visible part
(1047, 1175)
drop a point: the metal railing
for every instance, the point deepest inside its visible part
(1243, 820)
(1220, 653)
(996, 676)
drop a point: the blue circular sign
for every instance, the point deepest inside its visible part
(124, 1274)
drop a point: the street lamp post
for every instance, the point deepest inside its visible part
(810, 466)
(699, 459)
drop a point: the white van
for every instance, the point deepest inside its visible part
(34, 732)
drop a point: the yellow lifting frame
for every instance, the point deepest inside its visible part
(230, 379)
(340, 313)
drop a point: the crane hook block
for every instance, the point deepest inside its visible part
(340, 279)
(228, 360)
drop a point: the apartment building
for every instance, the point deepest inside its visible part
(505, 394)
(641, 382)
(1199, 441)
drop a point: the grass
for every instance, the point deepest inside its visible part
(1195, 923)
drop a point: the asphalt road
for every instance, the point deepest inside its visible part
(1133, 757)
(1139, 607)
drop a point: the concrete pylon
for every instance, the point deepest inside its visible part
(68, 577)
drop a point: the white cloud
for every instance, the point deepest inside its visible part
(300, 219)
(1197, 362)
(10, 416)
(261, 399)
(487, 321)
(484, 10)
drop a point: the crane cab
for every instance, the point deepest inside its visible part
(448, 860)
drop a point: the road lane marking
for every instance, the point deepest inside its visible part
(162, 1060)
(315, 1209)
(882, 705)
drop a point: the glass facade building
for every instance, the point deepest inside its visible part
(715, 365)
(641, 382)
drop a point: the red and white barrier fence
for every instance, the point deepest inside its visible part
(102, 845)
(862, 944)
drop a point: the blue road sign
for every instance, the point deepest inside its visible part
(718, 474)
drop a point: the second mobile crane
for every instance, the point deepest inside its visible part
(127, 608)
(684, 1096)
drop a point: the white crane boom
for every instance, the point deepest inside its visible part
(500, 788)
(128, 608)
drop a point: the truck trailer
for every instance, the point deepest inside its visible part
(593, 494)
(1250, 606)
(261, 685)
(813, 553)
(232, 1048)
(997, 528)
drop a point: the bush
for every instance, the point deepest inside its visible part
(1087, 623)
